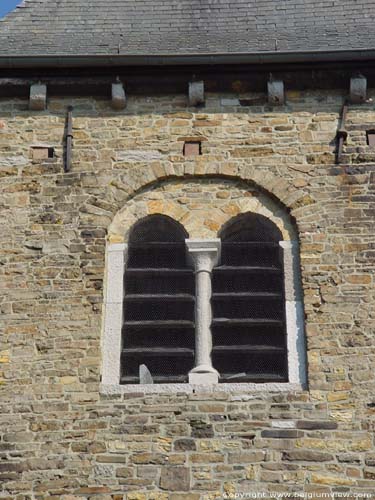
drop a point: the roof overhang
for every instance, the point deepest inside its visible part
(79, 61)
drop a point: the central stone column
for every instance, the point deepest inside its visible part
(204, 254)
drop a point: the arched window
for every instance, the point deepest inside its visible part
(248, 303)
(204, 311)
(158, 309)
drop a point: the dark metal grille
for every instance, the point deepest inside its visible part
(248, 327)
(158, 329)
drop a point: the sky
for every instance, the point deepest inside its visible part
(7, 5)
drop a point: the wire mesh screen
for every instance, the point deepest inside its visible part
(248, 328)
(243, 366)
(164, 369)
(157, 229)
(167, 308)
(250, 227)
(158, 329)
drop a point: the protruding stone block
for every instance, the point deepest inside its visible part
(276, 95)
(358, 89)
(192, 148)
(38, 97)
(118, 96)
(40, 153)
(196, 93)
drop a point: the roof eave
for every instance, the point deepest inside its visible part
(48, 61)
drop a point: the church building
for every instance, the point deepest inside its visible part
(187, 250)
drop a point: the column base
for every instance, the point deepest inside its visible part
(203, 375)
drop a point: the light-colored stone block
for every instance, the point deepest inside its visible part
(283, 424)
(296, 342)
(145, 376)
(207, 378)
(111, 344)
(292, 288)
(247, 391)
(38, 97)
(114, 291)
(295, 321)
(116, 258)
(139, 155)
(196, 93)
(230, 102)
(118, 96)
(276, 94)
(358, 89)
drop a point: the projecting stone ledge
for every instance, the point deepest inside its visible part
(358, 89)
(276, 95)
(196, 93)
(118, 96)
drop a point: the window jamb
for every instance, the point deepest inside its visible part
(294, 311)
(116, 257)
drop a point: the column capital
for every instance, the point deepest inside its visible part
(204, 254)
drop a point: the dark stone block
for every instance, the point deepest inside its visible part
(185, 445)
(316, 424)
(11, 467)
(307, 456)
(369, 473)
(200, 429)
(93, 233)
(281, 434)
(9, 476)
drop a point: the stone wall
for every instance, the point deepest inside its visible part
(59, 437)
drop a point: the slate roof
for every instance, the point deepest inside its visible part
(146, 27)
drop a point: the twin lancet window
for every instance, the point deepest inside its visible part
(204, 311)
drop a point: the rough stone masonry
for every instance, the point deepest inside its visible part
(60, 437)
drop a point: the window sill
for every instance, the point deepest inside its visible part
(243, 387)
